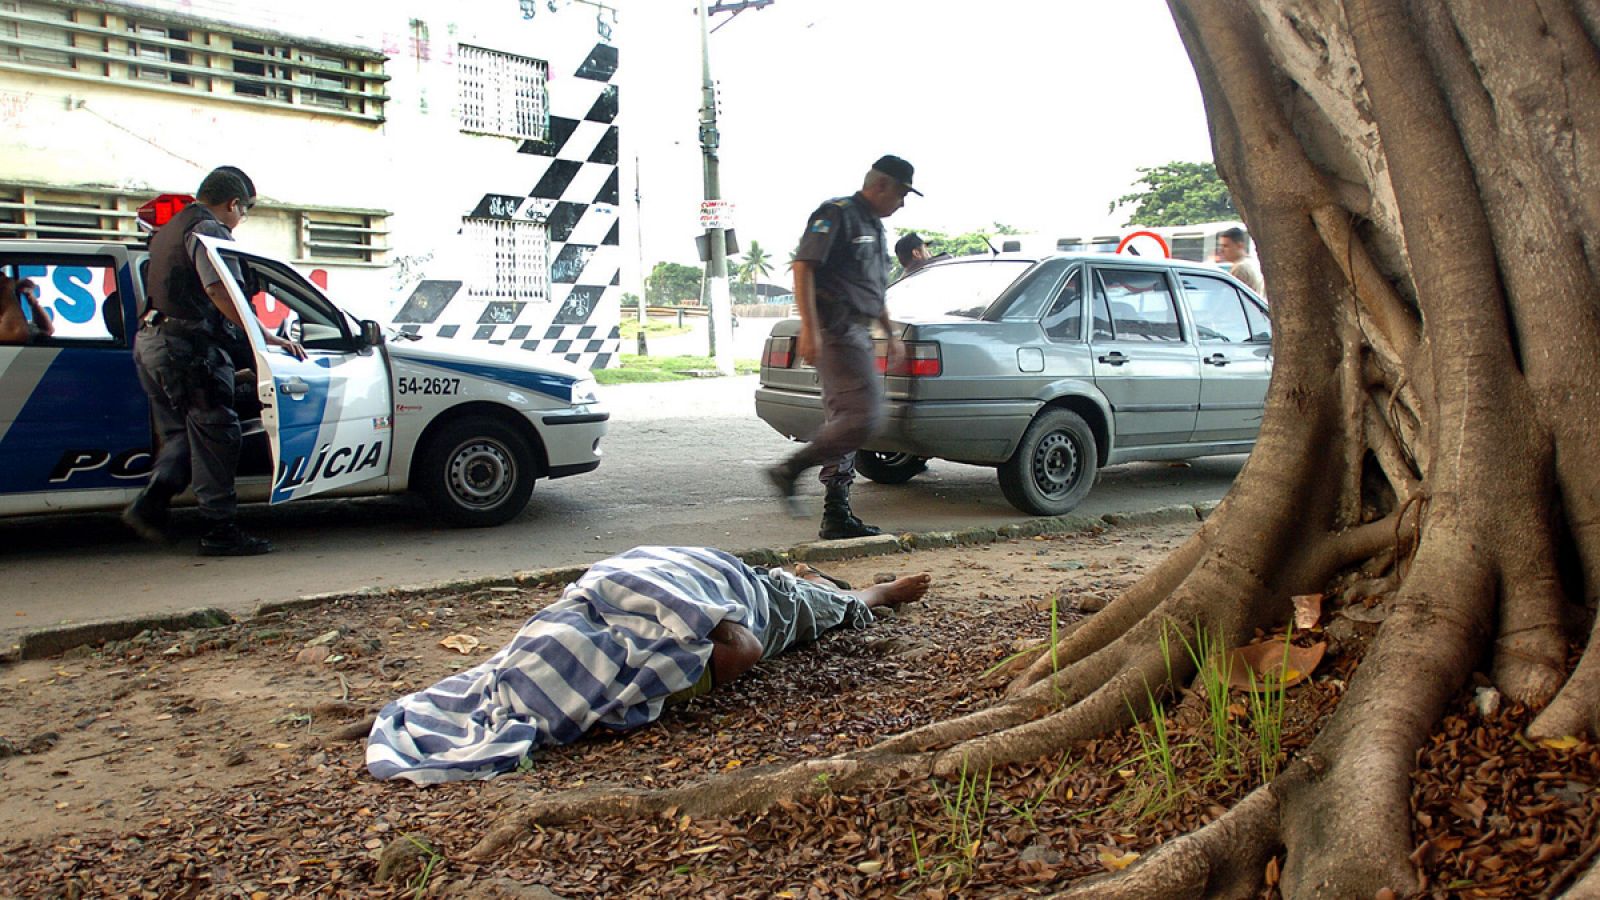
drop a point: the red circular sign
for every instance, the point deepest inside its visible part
(1161, 242)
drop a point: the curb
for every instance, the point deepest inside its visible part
(47, 642)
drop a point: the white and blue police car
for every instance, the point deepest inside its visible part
(363, 414)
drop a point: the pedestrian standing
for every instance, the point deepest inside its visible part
(187, 373)
(841, 269)
(1233, 246)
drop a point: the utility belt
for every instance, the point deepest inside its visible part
(188, 328)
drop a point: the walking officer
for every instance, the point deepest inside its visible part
(841, 269)
(188, 375)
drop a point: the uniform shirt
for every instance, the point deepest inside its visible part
(180, 270)
(845, 242)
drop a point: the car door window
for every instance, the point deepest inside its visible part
(1260, 322)
(1135, 305)
(289, 307)
(78, 293)
(1217, 309)
(1063, 321)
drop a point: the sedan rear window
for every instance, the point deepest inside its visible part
(953, 289)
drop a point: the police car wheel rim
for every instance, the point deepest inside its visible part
(481, 474)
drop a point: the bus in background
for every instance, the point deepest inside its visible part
(1196, 243)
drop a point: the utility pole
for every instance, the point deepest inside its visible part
(644, 277)
(721, 318)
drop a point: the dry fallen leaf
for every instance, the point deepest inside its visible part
(1307, 611)
(1114, 861)
(870, 867)
(461, 643)
(1266, 661)
(1560, 743)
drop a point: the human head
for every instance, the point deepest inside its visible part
(886, 185)
(229, 193)
(910, 248)
(1233, 245)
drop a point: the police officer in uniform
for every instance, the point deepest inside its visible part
(185, 369)
(841, 269)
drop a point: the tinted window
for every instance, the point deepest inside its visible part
(1027, 299)
(78, 293)
(952, 289)
(1217, 308)
(1064, 320)
(1135, 305)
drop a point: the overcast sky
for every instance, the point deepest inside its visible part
(1033, 113)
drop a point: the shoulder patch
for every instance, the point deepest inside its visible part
(820, 226)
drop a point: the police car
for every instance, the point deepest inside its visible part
(363, 414)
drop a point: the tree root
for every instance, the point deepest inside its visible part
(1226, 858)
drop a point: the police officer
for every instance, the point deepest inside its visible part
(840, 271)
(913, 253)
(188, 374)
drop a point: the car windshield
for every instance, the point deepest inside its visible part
(959, 288)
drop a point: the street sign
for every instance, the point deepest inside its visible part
(716, 214)
(1145, 243)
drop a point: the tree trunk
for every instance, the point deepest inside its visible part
(1423, 180)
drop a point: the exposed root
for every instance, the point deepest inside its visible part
(1350, 823)
(723, 795)
(1122, 613)
(1226, 858)
(1575, 709)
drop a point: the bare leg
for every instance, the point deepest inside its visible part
(905, 589)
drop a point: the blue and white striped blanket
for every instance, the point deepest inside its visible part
(634, 629)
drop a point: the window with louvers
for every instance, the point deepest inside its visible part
(502, 94)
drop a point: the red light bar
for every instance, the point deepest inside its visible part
(158, 212)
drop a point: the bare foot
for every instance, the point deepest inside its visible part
(905, 589)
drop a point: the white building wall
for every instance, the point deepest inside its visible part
(417, 164)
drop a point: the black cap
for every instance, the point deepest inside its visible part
(898, 169)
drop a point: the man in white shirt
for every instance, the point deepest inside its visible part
(1233, 246)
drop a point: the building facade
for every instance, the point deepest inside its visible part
(449, 168)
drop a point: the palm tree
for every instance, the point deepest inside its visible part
(757, 265)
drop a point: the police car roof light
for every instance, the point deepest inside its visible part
(158, 212)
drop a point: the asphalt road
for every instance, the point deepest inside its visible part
(682, 465)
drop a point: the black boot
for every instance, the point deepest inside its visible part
(838, 522)
(782, 478)
(225, 539)
(148, 515)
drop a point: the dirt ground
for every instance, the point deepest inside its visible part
(211, 763)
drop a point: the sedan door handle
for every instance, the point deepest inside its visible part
(1114, 358)
(1215, 359)
(294, 387)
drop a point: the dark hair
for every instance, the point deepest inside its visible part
(224, 184)
(1237, 235)
(904, 247)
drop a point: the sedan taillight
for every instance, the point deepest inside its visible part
(780, 352)
(921, 360)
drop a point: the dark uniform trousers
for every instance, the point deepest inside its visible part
(189, 380)
(852, 402)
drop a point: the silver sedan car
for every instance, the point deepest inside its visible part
(1050, 369)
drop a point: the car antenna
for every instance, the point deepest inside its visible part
(992, 250)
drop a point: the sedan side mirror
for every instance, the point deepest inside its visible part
(371, 333)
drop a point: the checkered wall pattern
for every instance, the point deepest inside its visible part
(575, 194)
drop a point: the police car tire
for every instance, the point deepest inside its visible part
(477, 472)
(1054, 466)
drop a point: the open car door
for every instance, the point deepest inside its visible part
(329, 416)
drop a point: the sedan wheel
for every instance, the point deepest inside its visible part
(890, 468)
(1054, 466)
